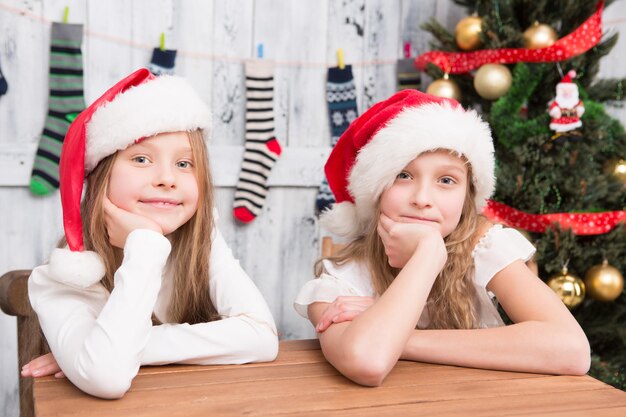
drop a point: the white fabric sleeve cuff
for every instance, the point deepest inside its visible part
(325, 289)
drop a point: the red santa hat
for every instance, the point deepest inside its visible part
(571, 74)
(139, 106)
(383, 140)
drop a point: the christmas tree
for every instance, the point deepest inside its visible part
(560, 157)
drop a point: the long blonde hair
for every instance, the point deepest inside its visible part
(191, 242)
(451, 300)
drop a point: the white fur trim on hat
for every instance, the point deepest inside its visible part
(341, 219)
(78, 269)
(413, 131)
(165, 104)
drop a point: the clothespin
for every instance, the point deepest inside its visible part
(66, 14)
(407, 49)
(340, 62)
(162, 42)
(259, 51)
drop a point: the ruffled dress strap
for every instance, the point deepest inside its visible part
(349, 279)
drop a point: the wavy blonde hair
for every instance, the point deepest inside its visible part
(191, 242)
(451, 302)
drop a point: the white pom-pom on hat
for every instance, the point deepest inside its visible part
(78, 269)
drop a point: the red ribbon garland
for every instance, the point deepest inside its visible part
(585, 37)
(581, 223)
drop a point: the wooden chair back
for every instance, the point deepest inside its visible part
(30, 341)
(329, 247)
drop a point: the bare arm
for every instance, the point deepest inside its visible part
(366, 348)
(545, 339)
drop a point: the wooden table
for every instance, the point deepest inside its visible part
(301, 383)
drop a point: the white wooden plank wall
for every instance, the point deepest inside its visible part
(214, 38)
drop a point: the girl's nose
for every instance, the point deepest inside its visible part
(164, 177)
(422, 196)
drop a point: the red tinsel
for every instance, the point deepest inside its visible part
(579, 223)
(585, 37)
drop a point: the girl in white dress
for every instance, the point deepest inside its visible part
(145, 278)
(420, 274)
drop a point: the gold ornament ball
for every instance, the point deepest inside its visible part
(467, 33)
(539, 36)
(444, 87)
(620, 170)
(492, 81)
(569, 288)
(604, 282)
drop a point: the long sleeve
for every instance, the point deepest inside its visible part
(246, 332)
(97, 338)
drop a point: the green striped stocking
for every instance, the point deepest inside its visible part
(64, 103)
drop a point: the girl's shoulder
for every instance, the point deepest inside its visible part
(353, 272)
(497, 248)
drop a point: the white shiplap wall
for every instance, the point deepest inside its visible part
(214, 38)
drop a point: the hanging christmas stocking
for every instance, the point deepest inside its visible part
(163, 61)
(3, 84)
(407, 75)
(65, 101)
(261, 149)
(342, 110)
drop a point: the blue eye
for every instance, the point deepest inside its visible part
(184, 164)
(404, 176)
(141, 159)
(448, 180)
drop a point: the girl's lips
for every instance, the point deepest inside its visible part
(161, 203)
(416, 219)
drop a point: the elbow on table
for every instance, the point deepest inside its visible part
(267, 350)
(367, 374)
(580, 359)
(575, 358)
(366, 368)
(110, 384)
(260, 345)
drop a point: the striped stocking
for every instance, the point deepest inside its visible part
(65, 101)
(261, 148)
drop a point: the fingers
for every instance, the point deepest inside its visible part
(327, 318)
(344, 308)
(343, 316)
(346, 316)
(385, 222)
(41, 366)
(322, 325)
(109, 207)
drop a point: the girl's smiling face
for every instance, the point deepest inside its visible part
(156, 178)
(431, 190)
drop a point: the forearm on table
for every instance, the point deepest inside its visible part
(233, 340)
(531, 346)
(366, 348)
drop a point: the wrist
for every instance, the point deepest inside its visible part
(429, 255)
(147, 242)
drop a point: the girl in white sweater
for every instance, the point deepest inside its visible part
(144, 276)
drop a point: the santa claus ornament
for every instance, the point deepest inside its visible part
(566, 110)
